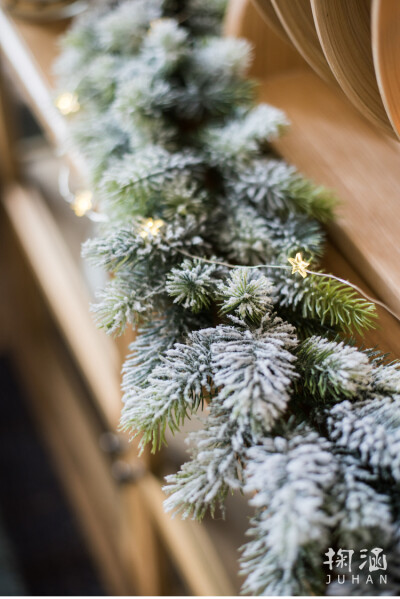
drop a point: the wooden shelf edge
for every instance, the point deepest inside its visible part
(62, 421)
(63, 289)
(188, 544)
(34, 77)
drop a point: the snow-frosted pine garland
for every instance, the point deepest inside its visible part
(180, 164)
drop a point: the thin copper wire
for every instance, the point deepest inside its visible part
(310, 272)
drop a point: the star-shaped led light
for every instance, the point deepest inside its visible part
(82, 202)
(67, 103)
(299, 265)
(151, 227)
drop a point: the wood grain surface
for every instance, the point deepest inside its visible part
(344, 31)
(386, 55)
(268, 13)
(298, 22)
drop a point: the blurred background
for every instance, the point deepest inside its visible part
(79, 513)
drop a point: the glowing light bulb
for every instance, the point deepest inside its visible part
(82, 202)
(151, 227)
(67, 103)
(299, 265)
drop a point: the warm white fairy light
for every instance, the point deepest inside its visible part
(151, 227)
(82, 202)
(67, 103)
(299, 265)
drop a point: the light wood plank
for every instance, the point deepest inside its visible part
(33, 69)
(60, 409)
(83, 472)
(62, 287)
(8, 162)
(188, 545)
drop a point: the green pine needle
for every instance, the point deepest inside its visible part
(315, 201)
(332, 370)
(336, 304)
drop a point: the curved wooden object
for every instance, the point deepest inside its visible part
(385, 24)
(268, 13)
(344, 30)
(273, 52)
(298, 21)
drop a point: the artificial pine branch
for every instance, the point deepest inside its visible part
(155, 337)
(365, 514)
(239, 140)
(370, 430)
(176, 388)
(293, 479)
(247, 294)
(134, 182)
(333, 302)
(180, 160)
(277, 188)
(215, 467)
(253, 369)
(333, 370)
(330, 302)
(193, 284)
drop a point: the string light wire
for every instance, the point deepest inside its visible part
(71, 198)
(298, 266)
